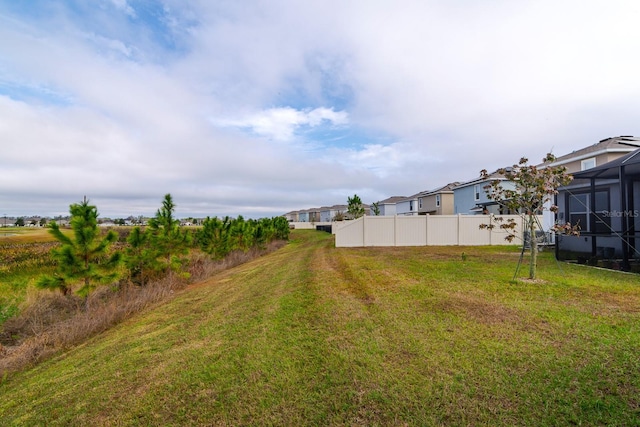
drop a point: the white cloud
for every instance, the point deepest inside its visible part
(124, 6)
(281, 124)
(423, 93)
(111, 45)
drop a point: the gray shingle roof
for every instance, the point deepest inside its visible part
(616, 143)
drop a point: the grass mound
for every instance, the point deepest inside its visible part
(317, 335)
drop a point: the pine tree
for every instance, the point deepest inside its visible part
(140, 257)
(355, 208)
(375, 208)
(85, 258)
(281, 226)
(214, 237)
(166, 238)
(240, 234)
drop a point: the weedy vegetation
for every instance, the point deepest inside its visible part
(97, 281)
(24, 254)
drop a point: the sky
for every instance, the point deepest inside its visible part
(258, 108)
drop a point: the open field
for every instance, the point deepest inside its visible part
(24, 256)
(24, 253)
(318, 335)
(24, 235)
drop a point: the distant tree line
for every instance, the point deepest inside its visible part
(22, 222)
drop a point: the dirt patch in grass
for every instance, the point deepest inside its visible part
(478, 310)
(609, 304)
(531, 281)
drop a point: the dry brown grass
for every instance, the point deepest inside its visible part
(26, 235)
(52, 322)
(478, 309)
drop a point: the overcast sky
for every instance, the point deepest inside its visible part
(263, 107)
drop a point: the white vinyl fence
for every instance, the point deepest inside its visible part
(424, 230)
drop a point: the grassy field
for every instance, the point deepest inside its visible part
(24, 254)
(318, 335)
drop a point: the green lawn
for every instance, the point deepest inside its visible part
(318, 335)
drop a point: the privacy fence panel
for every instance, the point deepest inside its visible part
(427, 230)
(350, 234)
(411, 231)
(469, 231)
(379, 231)
(443, 230)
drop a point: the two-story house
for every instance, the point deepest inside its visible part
(471, 198)
(387, 206)
(598, 154)
(328, 214)
(586, 158)
(407, 205)
(601, 199)
(437, 202)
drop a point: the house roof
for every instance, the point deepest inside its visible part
(614, 144)
(492, 176)
(444, 189)
(611, 170)
(409, 198)
(337, 207)
(391, 200)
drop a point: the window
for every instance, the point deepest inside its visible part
(476, 192)
(420, 203)
(411, 205)
(438, 200)
(588, 164)
(579, 210)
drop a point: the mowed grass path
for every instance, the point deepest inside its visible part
(318, 335)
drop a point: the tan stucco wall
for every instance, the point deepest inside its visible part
(447, 205)
(429, 204)
(576, 166)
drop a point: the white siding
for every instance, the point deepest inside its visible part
(387, 209)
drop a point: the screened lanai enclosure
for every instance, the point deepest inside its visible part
(605, 202)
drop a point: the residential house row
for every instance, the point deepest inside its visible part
(322, 214)
(469, 198)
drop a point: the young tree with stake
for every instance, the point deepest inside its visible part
(534, 188)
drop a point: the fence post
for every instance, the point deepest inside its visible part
(395, 230)
(426, 226)
(364, 230)
(491, 233)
